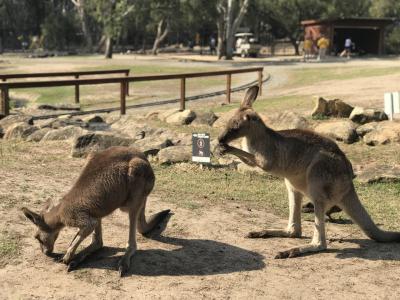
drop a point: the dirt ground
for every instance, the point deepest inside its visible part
(201, 254)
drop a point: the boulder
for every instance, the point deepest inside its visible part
(12, 119)
(175, 154)
(62, 122)
(19, 130)
(206, 118)
(366, 128)
(224, 118)
(74, 107)
(163, 115)
(132, 127)
(378, 173)
(153, 144)
(339, 130)
(181, 118)
(384, 133)
(88, 142)
(151, 115)
(285, 120)
(64, 133)
(92, 119)
(361, 115)
(38, 135)
(331, 108)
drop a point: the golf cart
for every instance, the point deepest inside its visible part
(246, 45)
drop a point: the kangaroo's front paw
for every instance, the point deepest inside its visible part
(288, 253)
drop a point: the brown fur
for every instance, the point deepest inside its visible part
(312, 166)
(118, 177)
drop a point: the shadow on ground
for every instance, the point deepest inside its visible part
(194, 257)
(370, 250)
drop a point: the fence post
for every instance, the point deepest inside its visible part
(127, 83)
(228, 88)
(5, 105)
(77, 90)
(183, 92)
(260, 81)
(123, 98)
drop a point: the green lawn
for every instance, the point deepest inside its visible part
(307, 76)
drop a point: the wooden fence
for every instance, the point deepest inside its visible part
(123, 81)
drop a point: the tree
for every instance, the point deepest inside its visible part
(83, 17)
(228, 24)
(110, 14)
(285, 17)
(164, 14)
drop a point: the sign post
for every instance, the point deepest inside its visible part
(201, 148)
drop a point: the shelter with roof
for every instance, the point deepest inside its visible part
(367, 34)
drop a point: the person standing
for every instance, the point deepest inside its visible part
(347, 48)
(323, 44)
(307, 47)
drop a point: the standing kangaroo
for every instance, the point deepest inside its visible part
(312, 166)
(118, 177)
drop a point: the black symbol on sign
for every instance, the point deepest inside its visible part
(200, 143)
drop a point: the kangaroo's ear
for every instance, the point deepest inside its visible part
(250, 97)
(34, 217)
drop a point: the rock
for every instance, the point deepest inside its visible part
(204, 119)
(38, 135)
(224, 118)
(285, 120)
(153, 144)
(384, 133)
(151, 115)
(378, 173)
(75, 107)
(19, 130)
(361, 116)
(181, 118)
(12, 119)
(175, 154)
(163, 115)
(331, 108)
(131, 126)
(92, 119)
(339, 130)
(62, 122)
(88, 142)
(246, 169)
(63, 133)
(366, 128)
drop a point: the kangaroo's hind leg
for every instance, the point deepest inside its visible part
(294, 224)
(125, 261)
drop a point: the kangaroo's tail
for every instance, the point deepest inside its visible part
(147, 226)
(352, 206)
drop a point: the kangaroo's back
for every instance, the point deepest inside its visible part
(108, 181)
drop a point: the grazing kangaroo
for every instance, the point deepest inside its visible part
(312, 166)
(119, 177)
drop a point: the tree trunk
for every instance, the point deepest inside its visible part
(109, 47)
(221, 41)
(229, 27)
(295, 46)
(160, 37)
(80, 6)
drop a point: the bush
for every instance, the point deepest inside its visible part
(393, 41)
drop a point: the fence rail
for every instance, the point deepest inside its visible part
(124, 83)
(75, 74)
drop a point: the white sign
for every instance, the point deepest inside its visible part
(392, 104)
